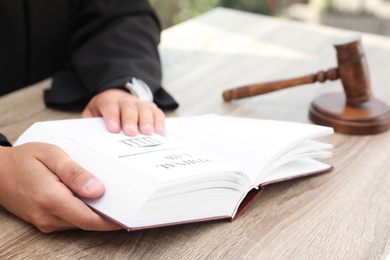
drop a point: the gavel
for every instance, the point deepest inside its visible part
(355, 111)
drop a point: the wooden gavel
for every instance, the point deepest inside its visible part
(355, 111)
(352, 69)
(263, 88)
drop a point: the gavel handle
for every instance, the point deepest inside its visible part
(262, 88)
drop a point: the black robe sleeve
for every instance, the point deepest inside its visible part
(4, 141)
(112, 41)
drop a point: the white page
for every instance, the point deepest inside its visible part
(246, 144)
(153, 156)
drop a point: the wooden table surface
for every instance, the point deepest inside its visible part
(344, 214)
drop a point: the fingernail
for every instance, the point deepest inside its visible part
(130, 129)
(147, 129)
(114, 126)
(93, 185)
(160, 130)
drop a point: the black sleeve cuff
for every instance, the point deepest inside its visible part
(4, 141)
(68, 92)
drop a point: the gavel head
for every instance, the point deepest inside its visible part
(353, 70)
(356, 111)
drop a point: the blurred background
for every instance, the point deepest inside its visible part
(370, 16)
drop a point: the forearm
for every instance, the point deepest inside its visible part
(109, 49)
(111, 42)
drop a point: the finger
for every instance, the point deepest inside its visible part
(153, 117)
(75, 213)
(70, 173)
(111, 114)
(91, 110)
(64, 211)
(86, 113)
(146, 118)
(129, 117)
(159, 121)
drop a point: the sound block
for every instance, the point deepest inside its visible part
(371, 117)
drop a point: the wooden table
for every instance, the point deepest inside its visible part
(341, 215)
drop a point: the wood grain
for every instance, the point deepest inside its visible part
(340, 215)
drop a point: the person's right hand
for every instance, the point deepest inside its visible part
(37, 182)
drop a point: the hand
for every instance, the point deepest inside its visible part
(121, 109)
(36, 184)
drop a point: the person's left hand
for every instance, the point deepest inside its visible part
(120, 109)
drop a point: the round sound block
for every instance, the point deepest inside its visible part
(371, 117)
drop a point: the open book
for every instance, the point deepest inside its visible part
(206, 167)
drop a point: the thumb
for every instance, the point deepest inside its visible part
(75, 177)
